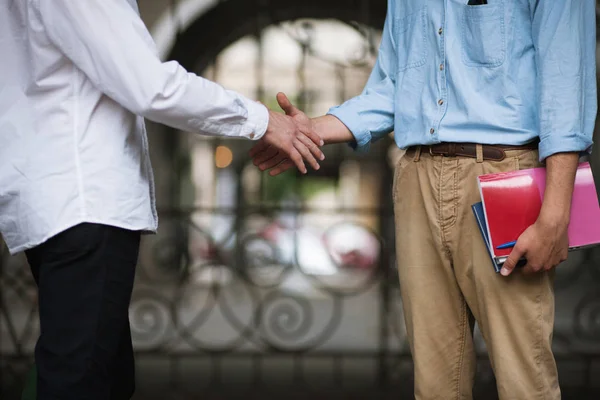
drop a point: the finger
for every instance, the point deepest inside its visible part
(532, 268)
(272, 162)
(563, 256)
(284, 166)
(297, 159)
(286, 105)
(306, 154)
(265, 155)
(314, 149)
(529, 269)
(512, 260)
(314, 137)
(291, 110)
(257, 148)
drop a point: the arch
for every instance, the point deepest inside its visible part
(229, 21)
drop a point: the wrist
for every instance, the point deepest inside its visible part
(561, 169)
(319, 125)
(258, 121)
(331, 130)
(554, 217)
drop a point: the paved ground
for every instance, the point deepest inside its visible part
(162, 378)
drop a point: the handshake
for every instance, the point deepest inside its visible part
(290, 140)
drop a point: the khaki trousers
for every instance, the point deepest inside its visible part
(448, 282)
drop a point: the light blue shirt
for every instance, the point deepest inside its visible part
(503, 73)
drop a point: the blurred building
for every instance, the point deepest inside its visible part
(279, 286)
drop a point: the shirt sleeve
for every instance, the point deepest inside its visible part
(109, 43)
(370, 116)
(564, 36)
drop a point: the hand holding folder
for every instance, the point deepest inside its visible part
(511, 204)
(547, 244)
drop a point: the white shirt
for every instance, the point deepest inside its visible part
(76, 79)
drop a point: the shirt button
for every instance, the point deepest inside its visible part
(440, 31)
(442, 67)
(252, 136)
(440, 102)
(432, 131)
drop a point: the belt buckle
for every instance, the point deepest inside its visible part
(431, 151)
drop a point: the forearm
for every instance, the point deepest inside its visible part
(332, 130)
(369, 116)
(560, 180)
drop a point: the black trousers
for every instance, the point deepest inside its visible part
(85, 277)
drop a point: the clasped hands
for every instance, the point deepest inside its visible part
(290, 141)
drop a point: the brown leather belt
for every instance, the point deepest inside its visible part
(490, 152)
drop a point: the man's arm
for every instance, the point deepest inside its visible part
(109, 43)
(370, 116)
(565, 44)
(360, 120)
(332, 130)
(560, 180)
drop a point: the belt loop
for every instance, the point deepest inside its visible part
(479, 152)
(417, 154)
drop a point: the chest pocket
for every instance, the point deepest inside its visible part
(409, 35)
(483, 35)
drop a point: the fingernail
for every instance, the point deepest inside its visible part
(322, 143)
(322, 157)
(504, 271)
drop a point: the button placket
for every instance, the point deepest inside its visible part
(443, 82)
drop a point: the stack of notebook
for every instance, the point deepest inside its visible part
(511, 202)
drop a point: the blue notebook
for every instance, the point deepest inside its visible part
(480, 218)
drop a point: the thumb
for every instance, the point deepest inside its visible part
(286, 105)
(511, 262)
